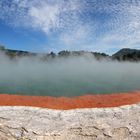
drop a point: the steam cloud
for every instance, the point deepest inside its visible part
(67, 76)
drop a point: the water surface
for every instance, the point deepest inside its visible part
(68, 77)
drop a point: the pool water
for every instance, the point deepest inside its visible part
(68, 77)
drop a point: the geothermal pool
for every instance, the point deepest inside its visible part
(68, 77)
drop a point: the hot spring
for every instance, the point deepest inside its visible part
(67, 76)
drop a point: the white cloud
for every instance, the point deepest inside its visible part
(44, 16)
(121, 24)
(124, 28)
(74, 37)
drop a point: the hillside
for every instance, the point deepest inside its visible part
(127, 54)
(124, 54)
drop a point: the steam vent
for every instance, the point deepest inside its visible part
(70, 70)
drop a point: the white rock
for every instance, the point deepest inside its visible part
(30, 123)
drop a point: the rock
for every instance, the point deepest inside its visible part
(30, 123)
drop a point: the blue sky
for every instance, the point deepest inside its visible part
(55, 25)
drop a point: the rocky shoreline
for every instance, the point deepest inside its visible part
(89, 117)
(32, 123)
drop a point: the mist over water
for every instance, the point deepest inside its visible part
(72, 76)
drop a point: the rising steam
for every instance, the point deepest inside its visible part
(70, 76)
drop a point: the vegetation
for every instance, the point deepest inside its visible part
(125, 54)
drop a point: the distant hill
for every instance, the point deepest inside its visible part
(45, 56)
(125, 54)
(97, 55)
(16, 53)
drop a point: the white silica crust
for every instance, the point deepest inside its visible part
(32, 123)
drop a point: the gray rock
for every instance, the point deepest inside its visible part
(29, 123)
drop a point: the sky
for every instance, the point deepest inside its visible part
(55, 25)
